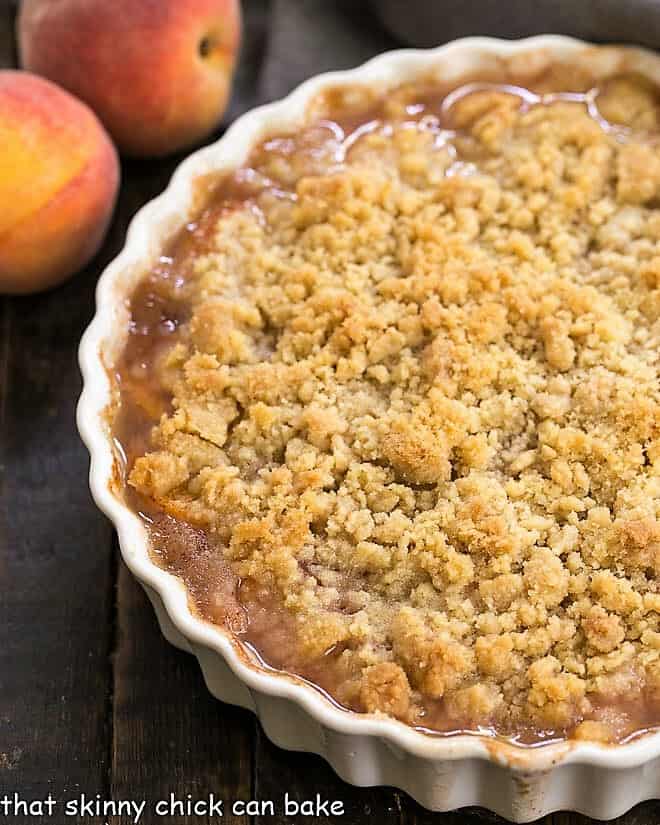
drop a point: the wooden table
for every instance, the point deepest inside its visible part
(92, 699)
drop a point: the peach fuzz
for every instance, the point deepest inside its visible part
(59, 176)
(157, 72)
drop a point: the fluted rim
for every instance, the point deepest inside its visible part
(147, 234)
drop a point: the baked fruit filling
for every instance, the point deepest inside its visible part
(390, 405)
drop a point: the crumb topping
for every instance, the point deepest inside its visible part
(417, 403)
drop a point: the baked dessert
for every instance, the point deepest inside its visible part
(389, 405)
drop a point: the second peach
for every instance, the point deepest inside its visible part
(158, 74)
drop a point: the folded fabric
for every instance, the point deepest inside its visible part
(431, 22)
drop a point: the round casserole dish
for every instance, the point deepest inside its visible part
(442, 773)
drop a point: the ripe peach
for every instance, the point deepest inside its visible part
(59, 176)
(157, 72)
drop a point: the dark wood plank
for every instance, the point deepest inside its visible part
(414, 814)
(7, 44)
(55, 571)
(169, 734)
(646, 813)
(55, 574)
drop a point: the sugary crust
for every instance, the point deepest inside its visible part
(418, 401)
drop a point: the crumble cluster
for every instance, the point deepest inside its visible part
(418, 401)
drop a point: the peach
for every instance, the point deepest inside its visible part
(59, 175)
(157, 72)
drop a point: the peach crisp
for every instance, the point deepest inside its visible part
(390, 405)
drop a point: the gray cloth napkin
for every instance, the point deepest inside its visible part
(430, 22)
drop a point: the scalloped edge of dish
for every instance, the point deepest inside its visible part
(441, 772)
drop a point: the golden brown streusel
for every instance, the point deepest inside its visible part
(416, 403)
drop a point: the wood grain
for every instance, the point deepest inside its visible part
(170, 736)
(55, 575)
(8, 57)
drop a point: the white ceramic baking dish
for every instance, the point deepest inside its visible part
(442, 773)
